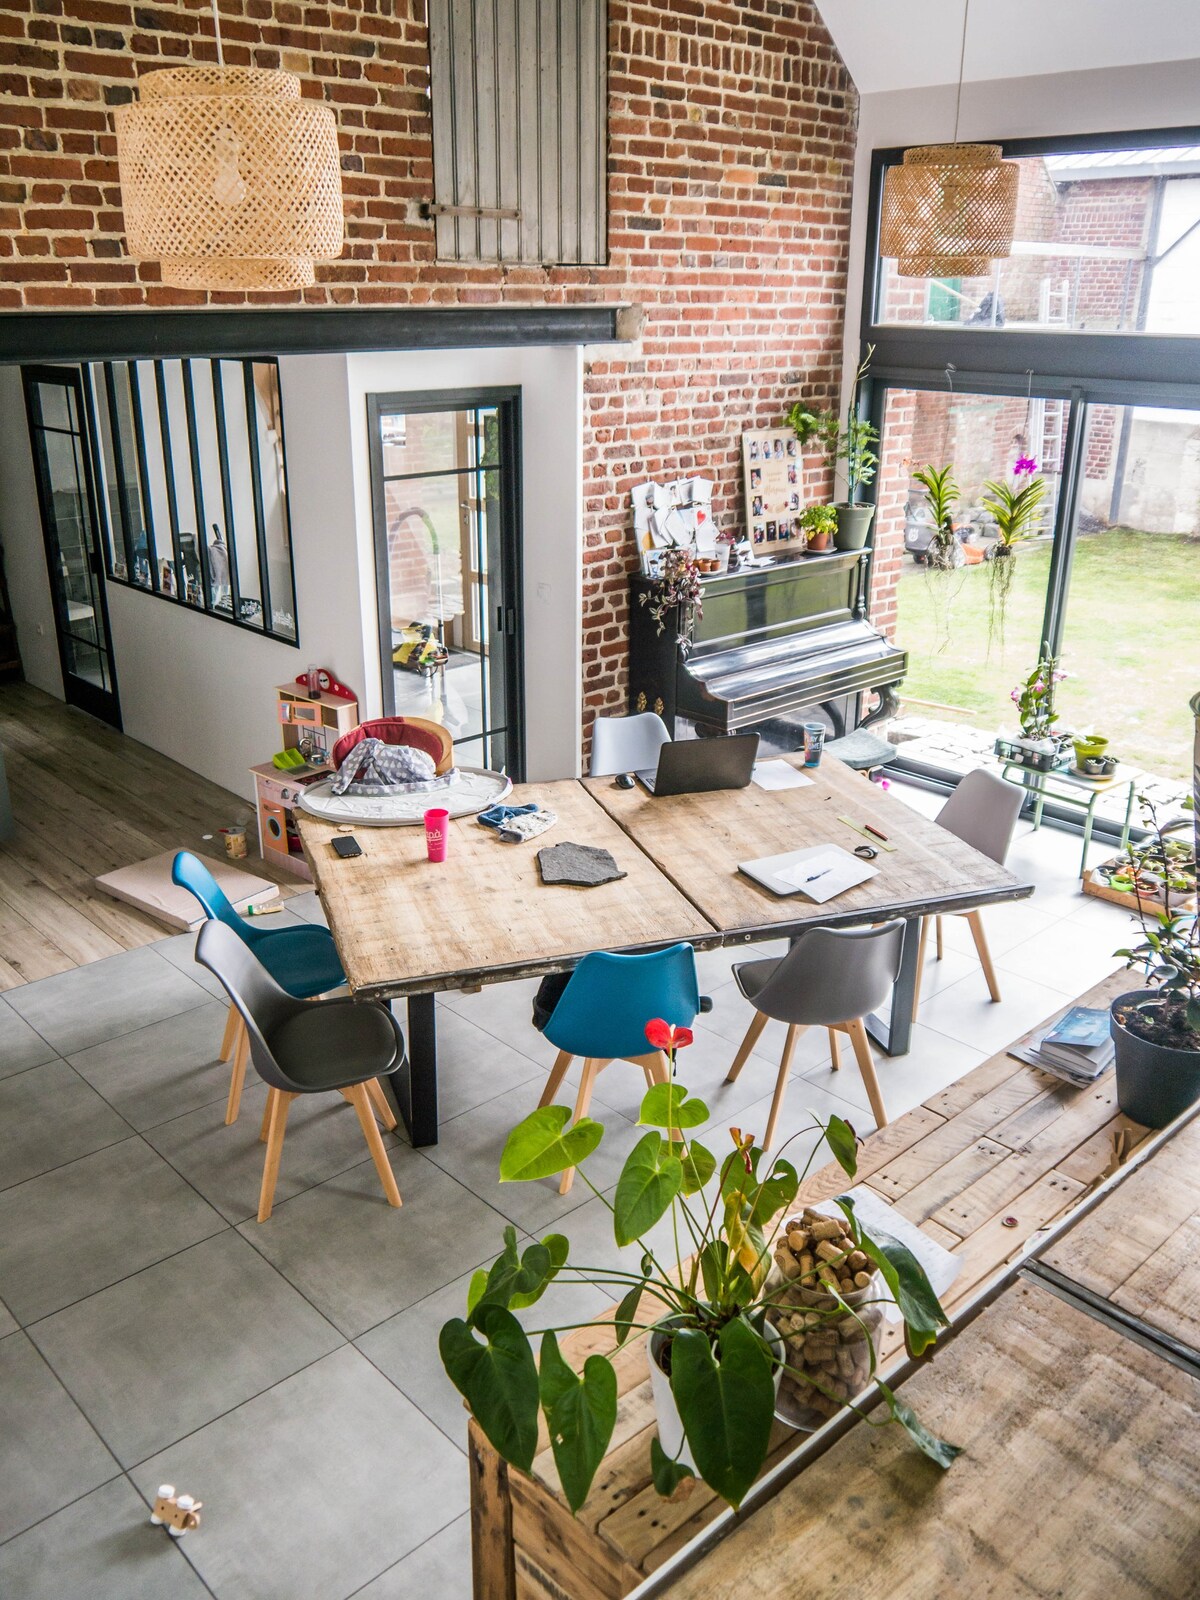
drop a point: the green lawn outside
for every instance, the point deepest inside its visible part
(1132, 643)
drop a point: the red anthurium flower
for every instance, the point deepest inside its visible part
(664, 1036)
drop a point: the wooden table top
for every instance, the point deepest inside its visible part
(698, 840)
(404, 924)
(980, 1167)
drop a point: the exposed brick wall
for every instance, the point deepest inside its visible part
(731, 127)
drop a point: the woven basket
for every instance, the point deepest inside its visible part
(229, 178)
(949, 210)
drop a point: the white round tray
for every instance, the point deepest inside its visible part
(477, 789)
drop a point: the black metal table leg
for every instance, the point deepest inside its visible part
(894, 1032)
(414, 1086)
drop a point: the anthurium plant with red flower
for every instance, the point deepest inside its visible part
(704, 1287)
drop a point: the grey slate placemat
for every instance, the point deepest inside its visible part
(581, 864)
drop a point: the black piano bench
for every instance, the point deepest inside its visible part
(862, 750)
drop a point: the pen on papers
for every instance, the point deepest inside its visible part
(817, 875)
(875, 831)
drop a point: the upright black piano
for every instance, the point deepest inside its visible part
(773, 645)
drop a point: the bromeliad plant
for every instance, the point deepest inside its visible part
(712, 1300)
(1015, 506)
(945, 569)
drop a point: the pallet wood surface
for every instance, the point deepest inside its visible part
(1079, 1478)
(698, 840)
(404, 924)
(1140, 1246)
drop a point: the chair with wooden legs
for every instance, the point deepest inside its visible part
(830, 978)
(602, 1014)
(982, 812)
(304, 961)
(307, 1047)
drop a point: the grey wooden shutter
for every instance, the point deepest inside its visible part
(520, 120)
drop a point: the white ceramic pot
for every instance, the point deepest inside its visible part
(670, 1425)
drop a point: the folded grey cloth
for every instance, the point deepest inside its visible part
(376, 768)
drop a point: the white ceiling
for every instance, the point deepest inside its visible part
(908, 44)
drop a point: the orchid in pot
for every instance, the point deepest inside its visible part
(716, 1353)
(1015, 506)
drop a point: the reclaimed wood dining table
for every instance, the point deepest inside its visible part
(407, 928)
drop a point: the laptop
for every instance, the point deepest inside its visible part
(697, 766)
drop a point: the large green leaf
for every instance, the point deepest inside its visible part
(543, 1145)
(841, 1139)
(497, 1378)
(581, 1411)
(776, 1191)
(650, 1179)
(627, 1311)
(939, 1450)
(517, 1281)
(666, 1105)
(726, 1403)
(699, 1164)
(905, 1277)
(667, 1473)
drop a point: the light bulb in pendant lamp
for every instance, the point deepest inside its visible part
(229, 179)
(949, 210)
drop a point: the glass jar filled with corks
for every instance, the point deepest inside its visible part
(828, 1302)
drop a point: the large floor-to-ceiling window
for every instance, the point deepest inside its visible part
(1075, 362)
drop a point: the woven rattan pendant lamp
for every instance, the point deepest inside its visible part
(228, 178)
(950, 209)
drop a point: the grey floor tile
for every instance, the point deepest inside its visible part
(82, 1227)
(49, 1454)
(20, 1045)
(441, 1567)
(161, 1071)
(105, 998)
(360, 1260)
(470, 1147)
(474, 1065)
(225, 1163)
(803, 1102)
(180, 951)
(933, 1062)
(316, 1487)
(49, 1116)
(101, 1548)
(504, 1010)
(1067, 955)
(165, 1351)
(405, 1348)
(965, 1012)
(308, 907)
(7, 1321)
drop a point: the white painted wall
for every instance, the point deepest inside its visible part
(1158, 95)
(551, 383)
(21, 535)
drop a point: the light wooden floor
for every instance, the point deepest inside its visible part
(88, 800)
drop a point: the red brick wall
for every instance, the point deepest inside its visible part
(731, 127)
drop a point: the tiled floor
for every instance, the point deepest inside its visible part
(287, 1374)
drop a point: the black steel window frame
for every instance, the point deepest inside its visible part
(126, 533)
(1083, 369)
(507, 404)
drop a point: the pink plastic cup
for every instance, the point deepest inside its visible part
(437, 831)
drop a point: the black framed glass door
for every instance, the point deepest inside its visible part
(446, 495)
(66, 485)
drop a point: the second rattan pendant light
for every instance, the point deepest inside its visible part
(228, 178)
(950, 209)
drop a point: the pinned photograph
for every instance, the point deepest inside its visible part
(754, 449)
(770, 530)
(779, 449)
(756, 506)
(793, 447)
(760, 533)
(794, 503)
(756, 477)
(792, 475)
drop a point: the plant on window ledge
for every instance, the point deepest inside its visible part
(1015, 506)
(677, 584)
(945, 564)
(1035, 699)
(708, 1310)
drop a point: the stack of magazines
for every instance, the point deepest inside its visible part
(1077, 1048)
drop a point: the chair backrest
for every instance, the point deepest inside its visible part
(189, 872)
(833, 975)
(627, 744)
(983, 812)
(605, 1007)
(261, 1001)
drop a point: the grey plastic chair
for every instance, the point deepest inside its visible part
(627, 744)
(307, 1047)
(982, 812)
(830, 978)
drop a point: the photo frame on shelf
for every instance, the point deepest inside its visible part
(772, 484)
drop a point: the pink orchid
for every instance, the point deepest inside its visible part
(1024, 464)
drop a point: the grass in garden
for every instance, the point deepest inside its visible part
(1131, 647)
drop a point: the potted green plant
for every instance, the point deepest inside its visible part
(853, 444)
(1156, 1030)
(678, 583)
(1015, 506)
(820, 525)
(1040, 746)
(716, 1355)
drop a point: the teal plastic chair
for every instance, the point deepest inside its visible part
(603, 1012)
(303, 961)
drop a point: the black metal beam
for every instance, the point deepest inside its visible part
(1060, 362)
(136, 335)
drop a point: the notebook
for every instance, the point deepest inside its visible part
(819, 873)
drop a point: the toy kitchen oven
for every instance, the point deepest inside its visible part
(312, 724)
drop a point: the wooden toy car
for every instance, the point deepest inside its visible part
(179, 1513)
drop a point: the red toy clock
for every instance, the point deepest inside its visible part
(325, 683)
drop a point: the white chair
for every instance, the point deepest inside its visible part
(982, 812)
(627, 744)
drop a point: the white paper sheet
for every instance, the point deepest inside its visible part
(779, 775)
(825, 873)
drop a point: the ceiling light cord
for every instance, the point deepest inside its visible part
(221, 53)
(962, 56)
